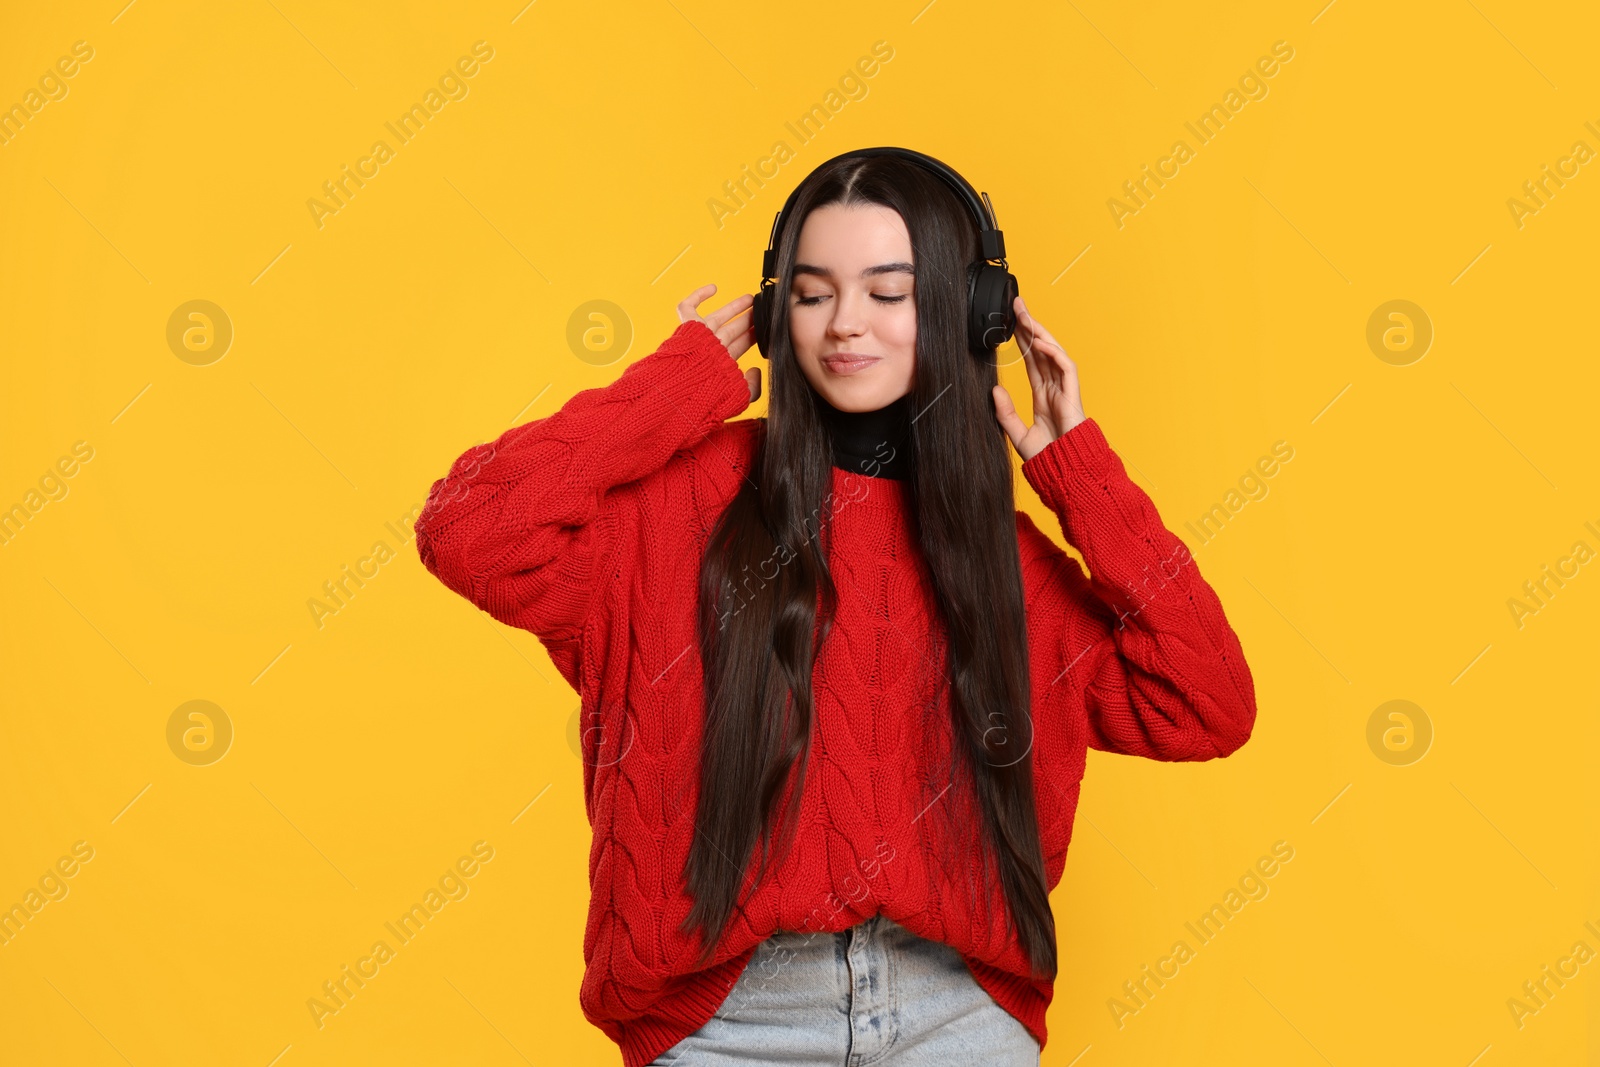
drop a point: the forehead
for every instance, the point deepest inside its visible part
(849, 239)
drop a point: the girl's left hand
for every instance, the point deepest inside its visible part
(1054, 377)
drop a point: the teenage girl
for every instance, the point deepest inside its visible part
(837, 691)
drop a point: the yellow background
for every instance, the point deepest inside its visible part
(431, 313)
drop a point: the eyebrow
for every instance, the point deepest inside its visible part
(881, 268)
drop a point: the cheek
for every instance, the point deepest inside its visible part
(899, 335)
(805, 333)
(900, 328)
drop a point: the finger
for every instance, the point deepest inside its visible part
(687, 306)
(753, 376)
(1006, 412)
(1056, 366)
(1027, 330)
(729, 310)
(1028, 342)
(1034, 327)
(738, 337)
(1042, 336)
(1063, 402)
(1073, 396)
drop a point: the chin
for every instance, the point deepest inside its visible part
(857, 392)
(866, 398)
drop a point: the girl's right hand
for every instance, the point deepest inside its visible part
(734, 328)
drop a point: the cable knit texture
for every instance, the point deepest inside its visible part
(587, 528)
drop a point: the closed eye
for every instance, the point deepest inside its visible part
(809, 300)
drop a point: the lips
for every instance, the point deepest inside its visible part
(848, 362)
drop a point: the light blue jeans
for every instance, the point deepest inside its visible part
(873, 994)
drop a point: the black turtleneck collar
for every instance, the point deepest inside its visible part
(872, 443)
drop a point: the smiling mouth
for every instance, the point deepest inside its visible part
(849, 364)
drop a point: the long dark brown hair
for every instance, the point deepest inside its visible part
(766, 591)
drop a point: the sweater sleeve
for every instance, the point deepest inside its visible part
(1144, 637)
(521, 525)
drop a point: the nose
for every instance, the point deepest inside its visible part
(849, 318)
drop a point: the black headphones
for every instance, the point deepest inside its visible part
(991, 287)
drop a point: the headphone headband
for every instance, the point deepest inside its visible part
(992, 241)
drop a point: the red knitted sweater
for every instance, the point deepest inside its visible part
(587, 528)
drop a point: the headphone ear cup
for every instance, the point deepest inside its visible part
(761, 318)
(992, 292)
